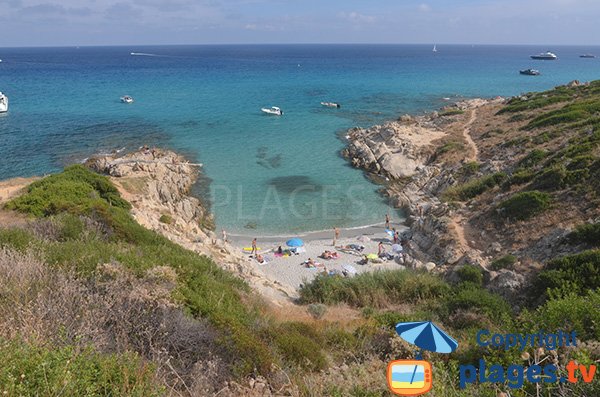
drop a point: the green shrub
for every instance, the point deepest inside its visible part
(588, 233)
(573, 273)
(579, 313)
(72, 227)
(317, 310)
(376, 289)
(556, 118)
(524, 205)
(75, 190)
(14, 238)
(28, 370)
(301, 344)
(165, 218)
(474, 188)
(472, 298)
(470, 274)
(552, 179)
(505, 262)
(533, 158)
(538, 101)
(470, 168)
(520, 177)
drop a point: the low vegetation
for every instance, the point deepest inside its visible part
(588, 233)
(474, 187)
(524, 205)
(505, 262)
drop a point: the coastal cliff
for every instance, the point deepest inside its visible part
(491, 183)
(157, 183)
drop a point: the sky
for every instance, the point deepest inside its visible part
(123, 22)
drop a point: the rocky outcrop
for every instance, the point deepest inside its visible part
(401, 153)
(157, 184)
(394, 150)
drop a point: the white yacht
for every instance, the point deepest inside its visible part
(126, 99)
(274, 110)
(331, 104)
(546, 56)
(3, 103)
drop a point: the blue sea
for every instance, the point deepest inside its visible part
(262, 174)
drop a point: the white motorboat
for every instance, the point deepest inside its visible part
(3, 103)
(126, 99)
(274, 110)
(545, 56)
(331, 104)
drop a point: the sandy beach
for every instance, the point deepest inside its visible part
(291, 271)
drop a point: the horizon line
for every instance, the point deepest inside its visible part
(298, 44)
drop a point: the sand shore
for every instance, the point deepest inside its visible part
(290, 270)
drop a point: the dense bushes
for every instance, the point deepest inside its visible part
(524, 205)
(474, 188)
(572, 312)
(551, 179)
(588, 233)
(470, 274)
(574, 273)
(505, 262)
(376, 289)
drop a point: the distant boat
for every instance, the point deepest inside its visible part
(331, 104)
(530, 72)
(126, 99)
(587, 56)
(274, 110)
(434, 48)
(3, 103)
(545, 56)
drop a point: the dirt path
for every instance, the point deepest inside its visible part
(467, 135)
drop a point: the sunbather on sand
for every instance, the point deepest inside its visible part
(330, 255)
(260, 259)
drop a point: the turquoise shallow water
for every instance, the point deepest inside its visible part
(267, 174)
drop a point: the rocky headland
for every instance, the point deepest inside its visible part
(157, 183)
(451, 171)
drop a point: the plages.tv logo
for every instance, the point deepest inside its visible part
(415, 377)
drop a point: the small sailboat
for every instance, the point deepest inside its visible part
(126, 99)
(3, 103)
(273, 110)
(434, 48)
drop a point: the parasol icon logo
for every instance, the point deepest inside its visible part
(415, 377)
(409, 377)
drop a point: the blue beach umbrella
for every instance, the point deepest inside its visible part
(427, 336)
(295, 242)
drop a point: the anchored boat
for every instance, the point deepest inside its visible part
(273, 110)
(545, 56)
(126, 99)
(530, 72)
(3, 103)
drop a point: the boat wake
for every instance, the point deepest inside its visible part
(145, 54)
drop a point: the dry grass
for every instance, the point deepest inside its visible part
(112, 311)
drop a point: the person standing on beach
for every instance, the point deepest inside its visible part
(387, 221)
(224, 234)
(336, 235)
(254, 250)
